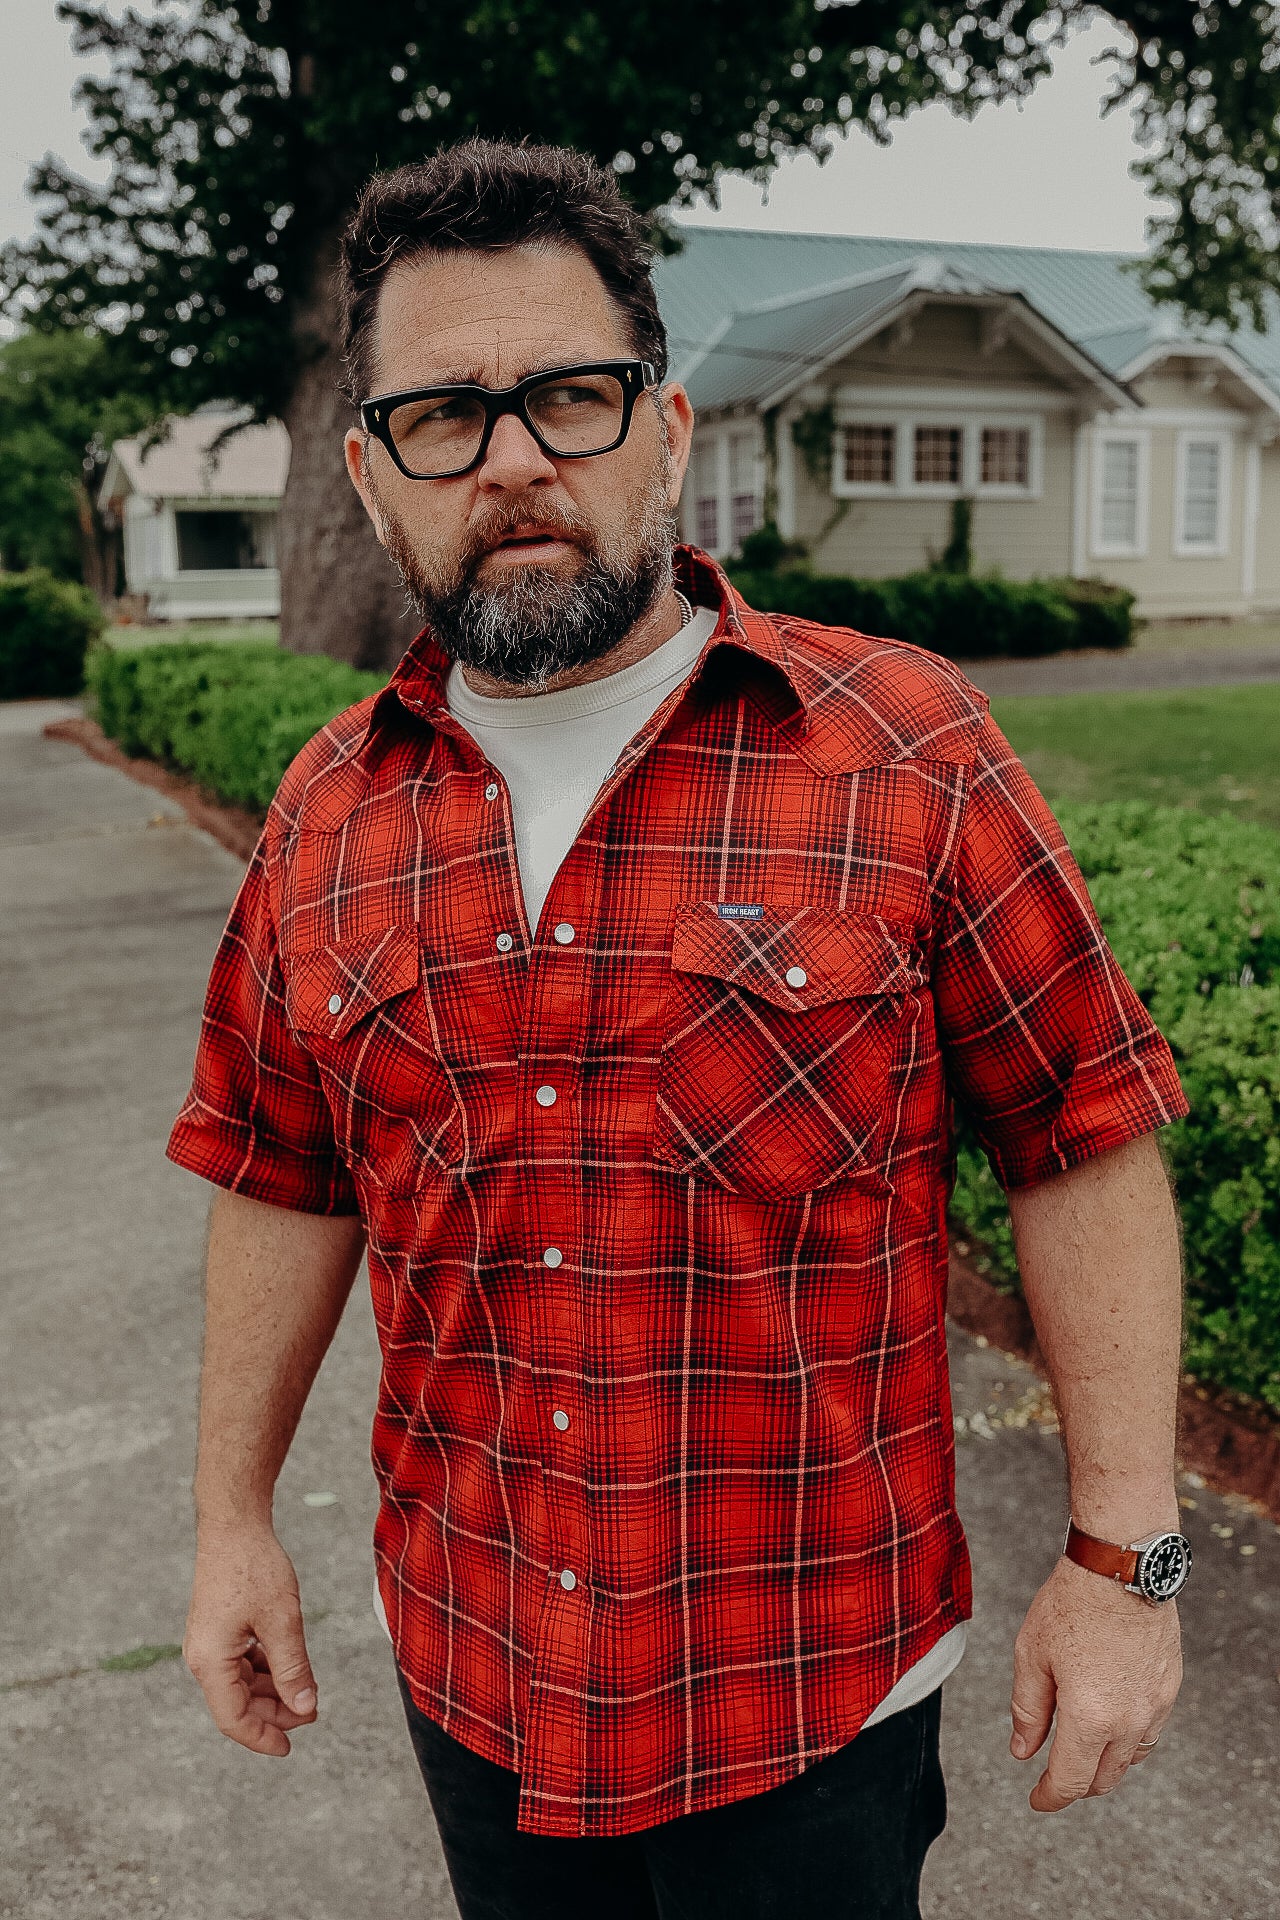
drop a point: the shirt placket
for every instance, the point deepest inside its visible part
(549, 1085)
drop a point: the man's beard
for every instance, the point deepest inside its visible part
(539, 621)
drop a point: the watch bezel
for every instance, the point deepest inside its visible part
(1146, 1551)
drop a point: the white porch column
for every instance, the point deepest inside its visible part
(1250, 508)
(1080, 446)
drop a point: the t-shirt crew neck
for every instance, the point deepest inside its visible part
(555, 749)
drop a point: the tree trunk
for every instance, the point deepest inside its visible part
(100, 546)
(339, 593)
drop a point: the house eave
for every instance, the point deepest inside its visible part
(1226, 357)
(1109, 391)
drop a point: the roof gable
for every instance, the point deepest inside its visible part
(762, 354)
(251, 463)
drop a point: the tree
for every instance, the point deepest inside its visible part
(61, 407)
(239, 130)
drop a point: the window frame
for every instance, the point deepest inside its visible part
(1220, 548)
(715, 447)
(971, 423)
(1099, 547)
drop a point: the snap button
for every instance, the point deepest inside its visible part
(551, 1256)
(335, 1003)
(545, 1096)
(504, 943)
(491, 791)
(564, 933)
(796, 976)
(568, 1580)
(560, 1419)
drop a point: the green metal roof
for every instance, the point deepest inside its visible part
(734, 298)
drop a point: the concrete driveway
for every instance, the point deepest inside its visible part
(119, 1800)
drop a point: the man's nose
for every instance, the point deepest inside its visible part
(513, 459)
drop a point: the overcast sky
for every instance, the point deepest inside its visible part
(1051, 173)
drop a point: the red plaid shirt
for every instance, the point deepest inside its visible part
(664, 1434)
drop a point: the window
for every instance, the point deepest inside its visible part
(706, 495)
(1006, 457)
(1120, 495)
(905, 453)
(939, 460)
(1200, 524)
(706, 522)
(222, 540)
(744, 500)
(870, 456)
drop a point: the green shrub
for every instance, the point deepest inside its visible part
(960, 615)
(46, 626)
(232, 714)
(1191, 906)
(1104, 613)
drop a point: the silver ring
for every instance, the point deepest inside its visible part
(1145, 1746)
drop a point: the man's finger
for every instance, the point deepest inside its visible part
(234, 1711)
(1031, 1708)
(285, 1646)
(1072, 1765)
(1117, 1757)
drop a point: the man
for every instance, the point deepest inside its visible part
(608, 974)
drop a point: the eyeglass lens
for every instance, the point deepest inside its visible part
(441, 434)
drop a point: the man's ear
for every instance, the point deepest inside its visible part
(677, 412)
(355, 450)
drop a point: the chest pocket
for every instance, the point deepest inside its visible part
(360, 1009)
(774, 1070)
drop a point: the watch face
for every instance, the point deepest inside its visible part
(1163, 1566)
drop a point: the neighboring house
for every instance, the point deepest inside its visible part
(852, 389)
(199, 519)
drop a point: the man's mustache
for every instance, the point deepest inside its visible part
(501, 521)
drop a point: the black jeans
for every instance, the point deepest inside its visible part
(844, 1840)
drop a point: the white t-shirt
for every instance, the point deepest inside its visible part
(555, 751)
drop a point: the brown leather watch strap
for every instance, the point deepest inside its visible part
(1101, 1556)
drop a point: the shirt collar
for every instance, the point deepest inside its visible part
(418, 682)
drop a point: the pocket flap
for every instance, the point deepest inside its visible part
(830, 955)
(329, 988)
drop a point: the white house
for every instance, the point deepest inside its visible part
(854, 388)
(199, 517)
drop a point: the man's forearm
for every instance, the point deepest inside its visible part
(1102, 1273)
(276, 1286)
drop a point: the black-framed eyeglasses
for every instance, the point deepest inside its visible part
(436, 433)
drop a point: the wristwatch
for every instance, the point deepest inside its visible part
(1156, 1567)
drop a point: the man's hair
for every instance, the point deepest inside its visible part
(485, 196)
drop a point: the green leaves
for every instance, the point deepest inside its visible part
(231, 713)
(1191, 906)
(45, 627)
(61, 406)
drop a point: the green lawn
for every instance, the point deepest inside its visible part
(166, 633)
(1214, 748)
(1158, 636)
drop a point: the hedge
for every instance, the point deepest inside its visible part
(965, 616)
(46, 625)
(231, 713)
(1191, 906)
(1190, 903)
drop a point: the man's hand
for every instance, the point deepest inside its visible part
(1111, 1664)
(244, 1641)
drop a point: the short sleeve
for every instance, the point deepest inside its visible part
(1049, 1050)
(256, 1120)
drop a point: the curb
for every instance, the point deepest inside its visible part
(234, 828)
(1232, 1444)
